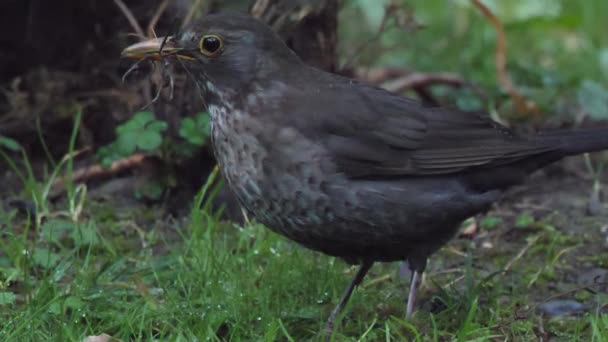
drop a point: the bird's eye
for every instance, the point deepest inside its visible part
(211, 46)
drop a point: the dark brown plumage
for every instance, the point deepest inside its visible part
(342, 167)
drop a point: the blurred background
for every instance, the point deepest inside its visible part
(99, 160)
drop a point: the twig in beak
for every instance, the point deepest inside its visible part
(133, 67)
(167, 80)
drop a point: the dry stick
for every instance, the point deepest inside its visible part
(129, 15)
(379, 75)
(156, 17)
(97, 171)
(140, 32)
(520, 254)
(376, 281)
(507, 267)
(446, 271)
(259, 8)
(350, 60)
(509, 264)
(422, 80)
(397, 80)
(151, 32)
(191, 12)
(453, 282)
(523, 105)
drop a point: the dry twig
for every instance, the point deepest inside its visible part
(191, 12)
(523, 105)
(414, 80)
(521, 253)
(130, 17)
(97, 171)
(159, 11)
(395, 16)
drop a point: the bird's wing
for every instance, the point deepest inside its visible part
(373, 133)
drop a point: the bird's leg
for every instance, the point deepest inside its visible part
(411, 298)
(363, 269)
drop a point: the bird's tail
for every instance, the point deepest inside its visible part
(576, 141)
(559, 144)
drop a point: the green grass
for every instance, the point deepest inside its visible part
(142, 277)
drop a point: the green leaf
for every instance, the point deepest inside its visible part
(9, 143)
(593, 98)
(149, 140)
(7, 298)
(142, 131)
(126, 143)
(195, 129)
(156, 126)
(74, 303)
(84, 235)
(54, 230)
(490, 222)
(108, 154)
(54, 308)
(45, 258)
(138, 121)
(524, 220)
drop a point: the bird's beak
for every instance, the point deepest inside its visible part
(154, 48)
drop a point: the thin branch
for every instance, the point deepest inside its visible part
(523, 105)
(521, 253)
(97, 171)
(156, 17)
(129, 15)
(379, 75)
(423, 80)
(191, 12)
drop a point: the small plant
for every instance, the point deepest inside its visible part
(144, 132)
(490, 222)
(195, 130)
(524, 220)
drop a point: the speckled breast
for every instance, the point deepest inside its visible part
(276, 175)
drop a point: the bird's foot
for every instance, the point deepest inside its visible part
(331, 321)
(411, 298)
(330, 324)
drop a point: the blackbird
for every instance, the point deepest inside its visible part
(341, 167)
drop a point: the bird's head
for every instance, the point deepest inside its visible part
(222, 52)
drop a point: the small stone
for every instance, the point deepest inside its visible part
(558, 308)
